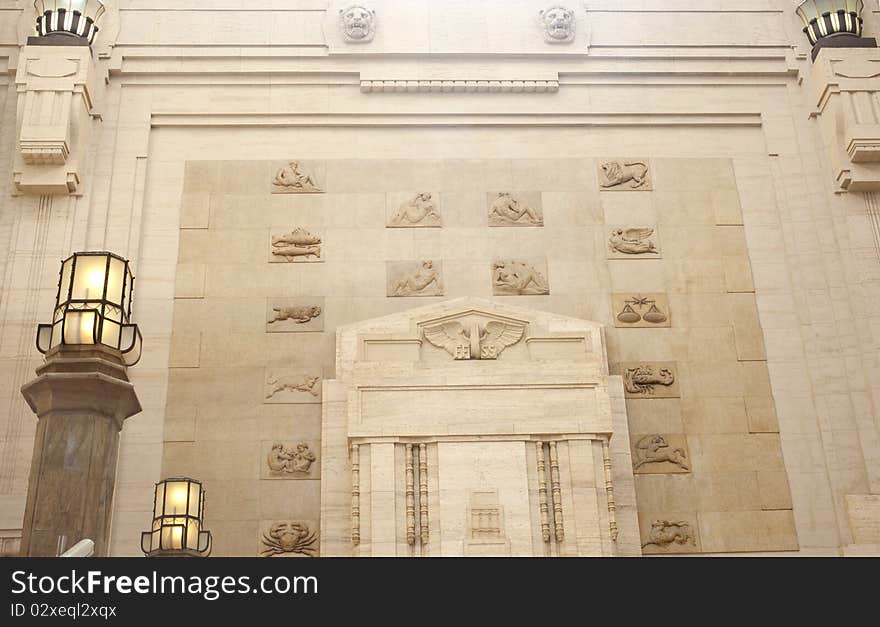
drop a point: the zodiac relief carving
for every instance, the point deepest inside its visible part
(624, 175)
(283, 460)
(421, 279)
(654, 449)
(641, 310)
(626, 242)
(292, 179)
(419, 211)
(358, 24)
(664, 534)
(559, 24)
(300, 315)
(298, 245)
(475, 342)
(289, 538)
(654, 380)
(507, 209)
(519, 278)
(305, 384)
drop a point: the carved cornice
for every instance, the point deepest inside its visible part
(460, 86)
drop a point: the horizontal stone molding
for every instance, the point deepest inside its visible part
(461, 86)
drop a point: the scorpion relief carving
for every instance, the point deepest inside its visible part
(649, 380)
(625, 175)
(289, 538)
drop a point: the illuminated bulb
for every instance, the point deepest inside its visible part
(178, 497)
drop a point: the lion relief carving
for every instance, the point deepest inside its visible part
(624, 175)
(358, 23)
(559, 24)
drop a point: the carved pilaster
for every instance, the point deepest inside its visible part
(542, 492)
(410, 498)
(355, 494)
(423, 494)
(556, 491)
(609, 489)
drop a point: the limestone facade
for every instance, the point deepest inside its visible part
(300, 186)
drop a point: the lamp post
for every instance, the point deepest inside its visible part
(81, 397)
(834, 24)
(178, 515)
(67, 22)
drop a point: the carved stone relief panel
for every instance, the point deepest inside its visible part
(625, 175)
(520, 278)
(298, 177)
(294, 315)
(297, 459)
(486, 535)
(358, 24)
(286, 386)
(299, 245)
(474, 338)
(289, 538)
(414, 278)
(558, 24)
(669, 532)
(640, 310)
(633, 242)
(515, 209)
(649, 379)
(413, 210)
(659, 454)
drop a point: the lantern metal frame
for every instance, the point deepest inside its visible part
(128, 339)
(69, 19)
(203, 542)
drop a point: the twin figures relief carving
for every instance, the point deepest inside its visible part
(424, 209)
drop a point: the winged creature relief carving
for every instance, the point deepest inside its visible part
(475, 341)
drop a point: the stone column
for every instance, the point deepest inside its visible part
(81, 397)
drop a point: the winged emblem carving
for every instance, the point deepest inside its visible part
(474, 341)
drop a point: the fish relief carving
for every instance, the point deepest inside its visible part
(298, 244)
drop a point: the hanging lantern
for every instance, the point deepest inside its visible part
(833, 23)
(93, 306)
(178, 513)
(73, 18)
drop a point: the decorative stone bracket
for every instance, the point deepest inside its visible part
(56, 87)
(847, 82)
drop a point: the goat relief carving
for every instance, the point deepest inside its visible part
(665, 534)
(624, 175)
(520, 278)
(293, 388)
(654, 449)
(298, 245)
(508, 209)
(474, 341)
(290, 462)
(414, 279)
(294, 179)
(289, 538)
(419, 211)
(559, 24)
(656, 380)
(628, 242)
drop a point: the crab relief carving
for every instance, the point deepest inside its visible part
(289, 538)
(474, 341)
(298, 245)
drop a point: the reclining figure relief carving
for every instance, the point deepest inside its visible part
(292, 179)
(418, 211)
(475, 341)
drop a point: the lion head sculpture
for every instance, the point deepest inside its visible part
(358, 23)
(559, 24)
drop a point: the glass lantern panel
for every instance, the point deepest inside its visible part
(110, 333)
(175, 498)
(64, 291)
(192, 534)
(115, 283)
(56, 334)
(79, 327)
(159, 502)
(826, 6)
(89, 277)
(113, 313)
(195, 500)
(172, 533)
